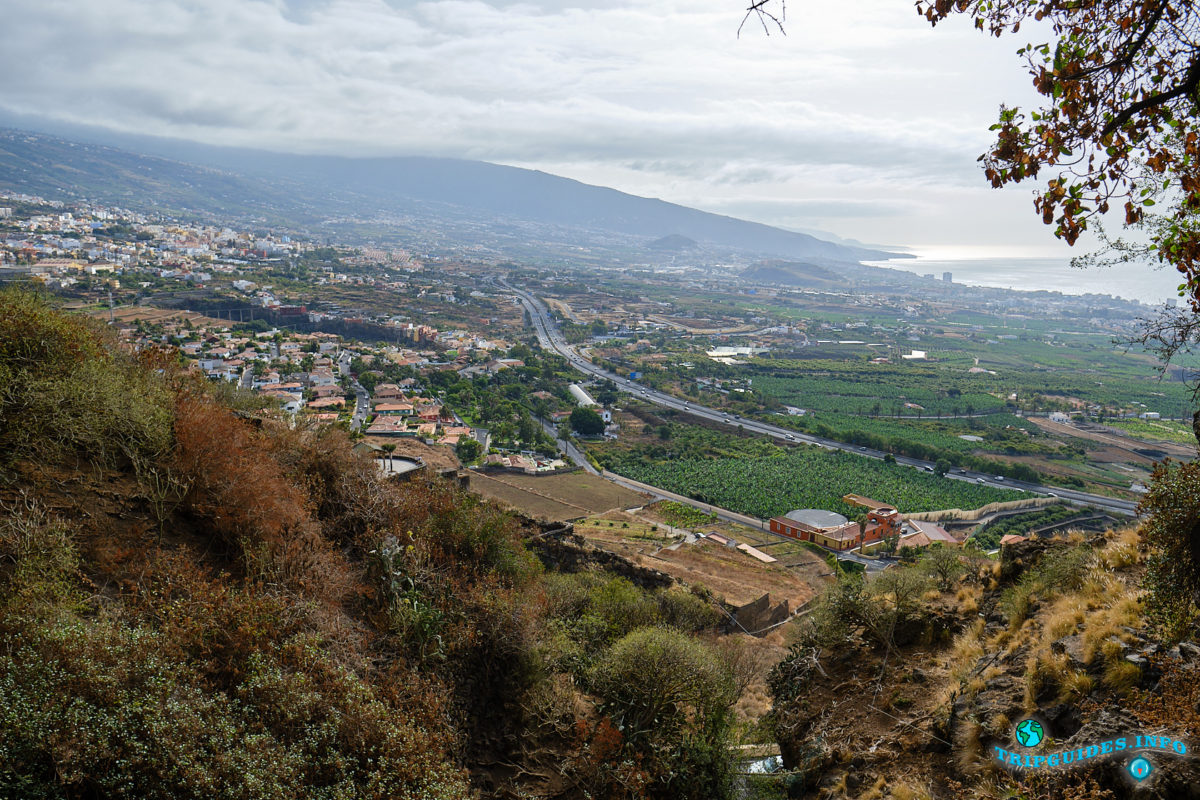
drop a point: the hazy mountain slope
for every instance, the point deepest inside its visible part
(60, 170)
(306, 189)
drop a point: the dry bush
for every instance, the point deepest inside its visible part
(353, 503)
(239, 489)
(1175, 702)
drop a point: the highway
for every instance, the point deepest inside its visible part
(551, 339)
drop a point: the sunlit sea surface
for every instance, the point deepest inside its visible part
(1132, 282)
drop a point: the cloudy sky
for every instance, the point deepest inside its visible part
(862, 120)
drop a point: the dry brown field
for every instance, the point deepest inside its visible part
(567, 496)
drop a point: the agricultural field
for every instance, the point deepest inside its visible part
(847, 388)
(805, 477)
(998, 433)
(1166, 430)
(568, 496)
(1043, 378)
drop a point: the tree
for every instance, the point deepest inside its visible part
(388, 449)
(587, 422)
(527, 429)
(468, 450)
(1119, 126)
(943, 564)
(669, 695)
(942, 467)
(1173, 534)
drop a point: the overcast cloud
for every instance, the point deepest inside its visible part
(862, 120)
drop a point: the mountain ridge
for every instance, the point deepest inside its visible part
(303, 190)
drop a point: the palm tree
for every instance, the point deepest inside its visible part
(861, 519)
(389, 449)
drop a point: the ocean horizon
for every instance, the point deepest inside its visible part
(1132, 281)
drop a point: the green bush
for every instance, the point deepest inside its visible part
(185, 702)
(65, 390)
(1059, 570)
(670, 695)
(1172, 533)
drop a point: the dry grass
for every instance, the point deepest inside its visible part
(1044, 672)
(966, 652)
(876, 792)
(991, 673)
(1117, 557)
(967, 747)
(998, 726)
(1075, 686)
(911, 790)
(968, 599)
(1103, 624)
(1122, 676)
(1065, 617)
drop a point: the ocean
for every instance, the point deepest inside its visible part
(1132, 282)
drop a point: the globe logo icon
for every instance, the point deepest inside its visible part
(1140, 768)
(1029, 733)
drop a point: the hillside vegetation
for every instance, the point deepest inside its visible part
(198, 599)
(904, 686)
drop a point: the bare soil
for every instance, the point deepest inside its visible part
(567, 496)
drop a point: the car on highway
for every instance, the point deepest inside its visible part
(789, 437)
(862, 448)
(979, 480)
(999, 477)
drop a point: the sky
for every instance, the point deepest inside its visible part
(862, 120)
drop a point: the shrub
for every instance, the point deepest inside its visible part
(1059, 570)
(670, 695)
(944, 565)
(1173, 535)
(66, 391)
(189, 689)
(240, 491)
